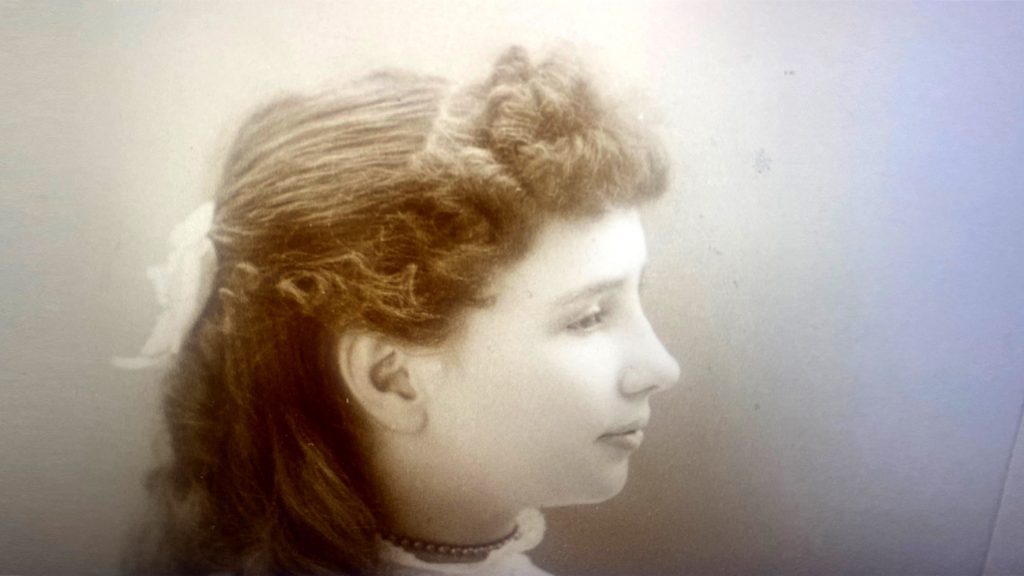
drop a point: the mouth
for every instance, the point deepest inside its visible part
(624, 440)
(628, 437)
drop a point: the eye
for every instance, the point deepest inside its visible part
(591, 321)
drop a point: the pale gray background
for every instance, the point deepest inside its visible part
(838, 268)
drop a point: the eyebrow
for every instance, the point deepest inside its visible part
(590, 291)
(596, 288)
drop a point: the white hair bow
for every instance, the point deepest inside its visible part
(182, 284)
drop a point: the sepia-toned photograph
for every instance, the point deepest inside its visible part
(511, 288)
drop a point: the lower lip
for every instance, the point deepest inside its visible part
(628, 441)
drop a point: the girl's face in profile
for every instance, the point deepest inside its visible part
(545, 394)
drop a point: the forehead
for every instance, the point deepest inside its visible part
(566, 258)
(568, 255)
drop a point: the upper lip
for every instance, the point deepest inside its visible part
(638, 424)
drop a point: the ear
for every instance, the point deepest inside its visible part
(380, 381)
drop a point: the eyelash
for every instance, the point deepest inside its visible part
(589, 322)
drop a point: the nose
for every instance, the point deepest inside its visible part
(650, 367)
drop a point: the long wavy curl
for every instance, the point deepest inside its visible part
(387, 205)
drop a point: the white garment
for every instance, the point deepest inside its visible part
(509, 560)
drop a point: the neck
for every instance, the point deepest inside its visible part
(452, 518)
(422, 502)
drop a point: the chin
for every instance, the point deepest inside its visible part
(612, 488)
(597, 488)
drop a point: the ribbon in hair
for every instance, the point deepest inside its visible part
(182, 284)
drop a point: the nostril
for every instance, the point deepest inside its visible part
(651, 367)
(655, 370)
(635, 382)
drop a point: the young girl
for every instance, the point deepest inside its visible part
(423, 325)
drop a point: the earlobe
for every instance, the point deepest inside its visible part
(380, 382)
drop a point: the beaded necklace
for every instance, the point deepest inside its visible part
(421, 548)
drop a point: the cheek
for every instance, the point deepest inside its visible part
(560, 388)
(579, 375)
(593, 358)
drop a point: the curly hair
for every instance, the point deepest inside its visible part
(388, 205)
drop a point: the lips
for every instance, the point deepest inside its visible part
(627, 437)
(624, 441)
(636, 425)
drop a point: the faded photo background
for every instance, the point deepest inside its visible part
(839, 267)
